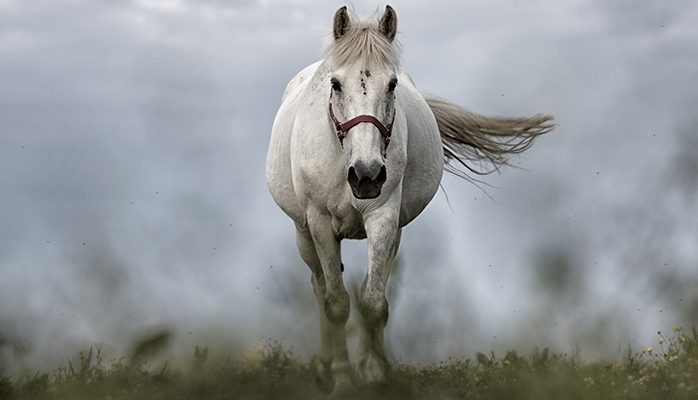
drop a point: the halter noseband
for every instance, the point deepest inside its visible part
(343, 128)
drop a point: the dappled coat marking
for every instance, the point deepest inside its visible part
(356, 152)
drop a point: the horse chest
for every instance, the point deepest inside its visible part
(348, 224)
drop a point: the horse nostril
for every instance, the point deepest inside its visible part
(366, 183)
(382, 176)
(374, 172)
(352, 178)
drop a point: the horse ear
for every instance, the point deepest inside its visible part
(388, 24)
(342, 22)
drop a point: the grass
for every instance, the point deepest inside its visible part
(669, 371)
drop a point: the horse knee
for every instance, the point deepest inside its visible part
(374, 310)
(337, 307)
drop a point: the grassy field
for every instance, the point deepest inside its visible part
(667, 371)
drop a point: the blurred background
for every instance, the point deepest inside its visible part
(133, 139)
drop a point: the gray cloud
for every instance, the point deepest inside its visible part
(132, 195)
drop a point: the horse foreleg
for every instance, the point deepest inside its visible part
(384, 239)
(333, 300)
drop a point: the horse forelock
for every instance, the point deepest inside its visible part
(363, 42)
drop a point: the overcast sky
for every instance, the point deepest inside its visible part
(133, 138)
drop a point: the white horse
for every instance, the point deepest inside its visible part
(357, 152)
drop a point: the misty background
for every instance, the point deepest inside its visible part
(133, 139)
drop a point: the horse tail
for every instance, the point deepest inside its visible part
(469, 138)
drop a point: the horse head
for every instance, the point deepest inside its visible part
(362, 84)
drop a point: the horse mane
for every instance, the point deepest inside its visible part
(468, 137)
(363, 41)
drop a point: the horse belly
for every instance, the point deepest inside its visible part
(278, 165)
(425, 158)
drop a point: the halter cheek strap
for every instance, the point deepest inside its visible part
(343, 128)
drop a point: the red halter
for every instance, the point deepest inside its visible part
(343, 128)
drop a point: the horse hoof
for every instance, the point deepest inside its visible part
(344, 389)
(373, 370)
(323, 375)
(325, 386)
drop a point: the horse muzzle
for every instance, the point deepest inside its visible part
(366, 181)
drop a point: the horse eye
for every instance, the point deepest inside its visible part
(336, 86)
(393, 84)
